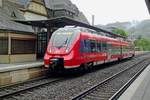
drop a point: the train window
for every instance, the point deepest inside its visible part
(93, 45)
(104, 46)
(116, 49)
(124, 48)
(81, 45)
(87, 45)
(109, 47)
(99, 47)
(63, 37)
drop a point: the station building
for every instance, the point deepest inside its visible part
(57, 8)
(17, 41)
(20, 42)
(33, 10)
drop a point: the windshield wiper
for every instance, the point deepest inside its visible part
(63, 44)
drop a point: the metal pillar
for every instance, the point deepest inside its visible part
(93, 20)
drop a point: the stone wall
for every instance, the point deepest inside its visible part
(22, 75)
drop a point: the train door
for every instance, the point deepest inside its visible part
(121, 51)
(109, 51)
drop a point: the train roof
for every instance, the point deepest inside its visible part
(86, 30)
(92, 34)
(105, 38)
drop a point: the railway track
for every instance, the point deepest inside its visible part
(111, 88)
(20, 89)
(17, 89)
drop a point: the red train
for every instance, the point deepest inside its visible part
(76, 47)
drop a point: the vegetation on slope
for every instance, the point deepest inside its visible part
(120, 32)
(142, 43)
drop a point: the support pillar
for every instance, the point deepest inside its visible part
(9, 46)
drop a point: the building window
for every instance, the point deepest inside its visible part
(3, 45)
(59, 13)
(23, 46)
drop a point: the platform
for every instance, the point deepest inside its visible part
(140, 88)
(20, 72)
(18, 66)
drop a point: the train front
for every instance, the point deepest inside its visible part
(60, 51)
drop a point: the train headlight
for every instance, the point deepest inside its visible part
(50, 50)
(67, 50)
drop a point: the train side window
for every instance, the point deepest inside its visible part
(124, 48)
(99, 47)
(104, 46)
(86, 44)
(109, 47)
(81, 49)
(89, 45)
(116, 49)
(93, 45)
(96, 46)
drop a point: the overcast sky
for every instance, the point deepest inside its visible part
(108, 11)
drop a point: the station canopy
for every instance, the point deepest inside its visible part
(64, 21)
(148, 4)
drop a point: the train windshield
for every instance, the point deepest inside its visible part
(62, 38)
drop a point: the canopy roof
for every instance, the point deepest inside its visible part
(64, 21)
(148, 4)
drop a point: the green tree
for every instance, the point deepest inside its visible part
(142, 43)
(120, 32)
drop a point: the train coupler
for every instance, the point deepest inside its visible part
(56, 63)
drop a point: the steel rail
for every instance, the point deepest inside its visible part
(123, 88)
(90, 90)
(26, 82)
(29, 88)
